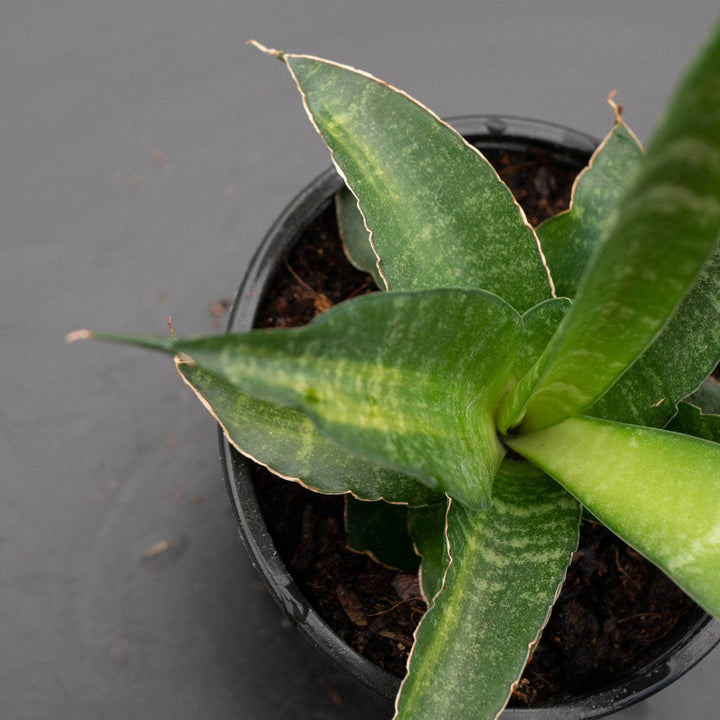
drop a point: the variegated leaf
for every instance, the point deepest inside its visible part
(657, 490)
(682, 355)
(508, 563)
(665, 229)
(438, 212)
(569, 239)
(407, 380)
(289, 444)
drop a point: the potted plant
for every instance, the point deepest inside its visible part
(508, 378)
(581, 669)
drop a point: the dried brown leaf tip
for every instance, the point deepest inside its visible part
(617, 108)
(78, 335)
(157, 549)
(262, 48)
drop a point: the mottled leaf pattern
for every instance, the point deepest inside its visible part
(657, 490)
(634, 284)
(287, 441)
(682, 355)
(438, 213)
(401, 395)
(507, 566)
(408, 380)
(569, 239)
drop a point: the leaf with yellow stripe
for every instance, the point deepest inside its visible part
(288, 443)
(657, 490)
(438, 214)
(406, 380)
(665, 230)
(508, 563)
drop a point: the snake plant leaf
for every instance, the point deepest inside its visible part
(682, 355)
(438, 212)
(381, 530)
(407, 380)
(666, 227)
(508, 563)
(691, 420)
(289, 444)
(427, 529)
(657, 490)
(569, 238)
(355, 236)
(540, 324)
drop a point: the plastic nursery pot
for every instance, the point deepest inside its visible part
(695, 635)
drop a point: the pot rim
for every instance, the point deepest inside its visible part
(495, 131)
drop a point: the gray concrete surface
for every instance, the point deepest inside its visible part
(144, 152)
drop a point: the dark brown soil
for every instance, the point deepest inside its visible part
(615, 610)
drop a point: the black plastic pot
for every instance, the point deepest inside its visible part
(689, 645)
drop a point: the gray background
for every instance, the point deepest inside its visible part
(145, 150)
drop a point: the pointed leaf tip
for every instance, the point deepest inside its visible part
(75, 335)
(267, 50)
(617, 108)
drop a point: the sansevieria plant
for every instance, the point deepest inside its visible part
(507, 377)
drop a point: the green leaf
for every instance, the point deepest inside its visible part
(691, 420)
(380, 530)
(666, 227)
(427, 529)
(406, 380)
(288, 442)
(438, 213)
(539, 324)
(569, 239)
(658, 491)
(355, 236)
(508, 563)
(682, 355)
